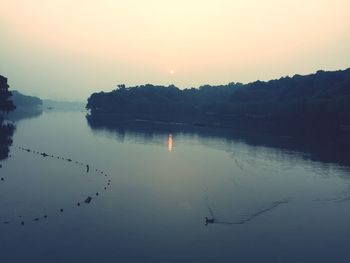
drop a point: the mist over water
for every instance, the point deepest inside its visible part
(270, 202)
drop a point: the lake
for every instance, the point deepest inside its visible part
(75, 190)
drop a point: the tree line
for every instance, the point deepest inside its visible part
(320, 98)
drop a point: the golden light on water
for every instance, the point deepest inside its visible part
(170, 142)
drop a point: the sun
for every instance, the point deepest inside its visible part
(171, 72)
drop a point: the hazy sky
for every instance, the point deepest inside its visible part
(67, 49)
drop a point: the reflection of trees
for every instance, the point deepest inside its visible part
(7, 128)
(6, 132)
(334, 148)
(24, 113)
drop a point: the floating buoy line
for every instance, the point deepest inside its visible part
(86, 201)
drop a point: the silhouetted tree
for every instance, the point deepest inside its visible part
(6, 105)
(121, 86)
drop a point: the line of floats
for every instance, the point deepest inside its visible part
(88, 199)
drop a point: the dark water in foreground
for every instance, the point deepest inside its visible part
(278, 201)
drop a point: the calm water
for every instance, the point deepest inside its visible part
(280, 201)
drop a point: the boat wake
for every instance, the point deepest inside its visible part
(245, 219)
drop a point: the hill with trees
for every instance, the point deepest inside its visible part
(21, 100)
(317, 100)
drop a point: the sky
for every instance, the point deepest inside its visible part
(68, 49)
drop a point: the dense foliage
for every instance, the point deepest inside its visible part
(323, 97)
(6, 104)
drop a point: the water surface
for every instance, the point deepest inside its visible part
(273, 199)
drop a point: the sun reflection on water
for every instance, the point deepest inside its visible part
(170, 142)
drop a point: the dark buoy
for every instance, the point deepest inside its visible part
(88, 200)
(45, 216)
(61, 210)
(22, 223)
(78, 204)
(2, 179)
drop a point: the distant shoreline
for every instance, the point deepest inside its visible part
(318, 103)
